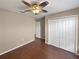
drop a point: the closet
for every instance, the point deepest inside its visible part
(62, 32)
(37, 29)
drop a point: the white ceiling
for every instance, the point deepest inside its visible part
(53, 7)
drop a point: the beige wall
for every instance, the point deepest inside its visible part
(42, 28)
(57, 15)
(15, 29)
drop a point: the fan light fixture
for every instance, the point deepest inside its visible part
(36, 8)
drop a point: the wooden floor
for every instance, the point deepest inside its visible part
(39, 50)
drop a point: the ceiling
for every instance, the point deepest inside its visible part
(54, 6)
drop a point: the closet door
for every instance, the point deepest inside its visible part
(68, 34)
(53, 33)
(62, 33)
(38, 30)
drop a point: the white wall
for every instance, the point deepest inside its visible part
(15, 29)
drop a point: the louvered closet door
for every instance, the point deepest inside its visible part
(61, 33)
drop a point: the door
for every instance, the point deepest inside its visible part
(62, 33)
(38, 30)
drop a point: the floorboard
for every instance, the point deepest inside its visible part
(39, 50)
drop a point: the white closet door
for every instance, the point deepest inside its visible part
(38, 30)
(61, 33)
(53, 33)
(68, 34)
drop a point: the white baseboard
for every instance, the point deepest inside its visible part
(15, 47)
(77, 54)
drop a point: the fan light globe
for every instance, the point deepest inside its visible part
(36, 9)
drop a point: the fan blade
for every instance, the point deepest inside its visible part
(25, 11)
(45, 11)
(44, 4)
(26, 3)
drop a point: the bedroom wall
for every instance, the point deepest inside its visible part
(16, 29)
(42, 28)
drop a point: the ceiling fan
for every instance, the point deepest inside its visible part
(36, 7)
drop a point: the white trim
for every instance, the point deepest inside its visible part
(76, 42)
(63, 17)
(77, 54)
(16, 47)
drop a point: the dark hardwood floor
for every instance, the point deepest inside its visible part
(39, 50)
